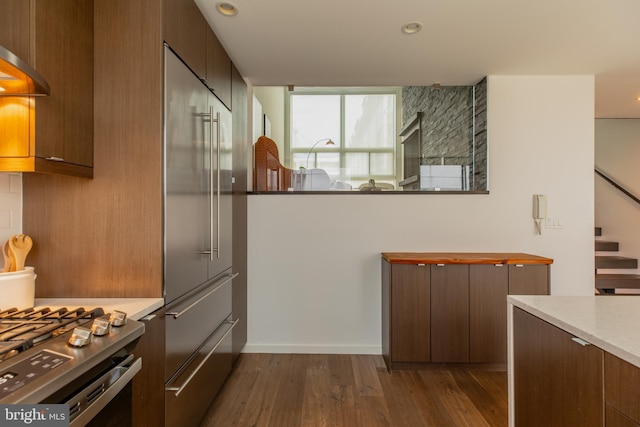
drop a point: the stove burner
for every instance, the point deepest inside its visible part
(24, 329)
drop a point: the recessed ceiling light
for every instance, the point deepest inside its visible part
(411, 27)
(226, 8)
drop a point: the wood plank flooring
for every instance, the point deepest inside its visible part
(291, 390)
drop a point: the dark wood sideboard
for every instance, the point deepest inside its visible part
(451, 307)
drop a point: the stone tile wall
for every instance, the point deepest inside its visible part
(448, 126)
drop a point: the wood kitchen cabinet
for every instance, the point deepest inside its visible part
(452, 307)
(488, 290)
(51, 134)
(450, 313)
(190, 36)
(529, 279)
(148, 384)
(622, 392)
(406, 316)
(558, 380)
(218, 72)
(185, 30)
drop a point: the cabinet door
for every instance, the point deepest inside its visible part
(64, 57)
(557, 381)
(185, 32)
(148, 384)
(218, 69)
(488, 286)
(450, 313)
(14, 27)
(528, 279)
(621, 389)
(410, 320)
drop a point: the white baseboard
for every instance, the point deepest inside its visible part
(310, 349)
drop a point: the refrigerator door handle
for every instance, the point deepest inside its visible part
(219, 152)
(214, 223)
(178, 314)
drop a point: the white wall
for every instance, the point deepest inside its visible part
(10, 205)
(617, 150)
(314, 260)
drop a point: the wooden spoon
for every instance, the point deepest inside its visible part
(7, 254)
(20, 245)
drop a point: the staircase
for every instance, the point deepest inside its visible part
(608, 283)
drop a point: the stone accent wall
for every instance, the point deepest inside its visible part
(448, 126)
(480, 181)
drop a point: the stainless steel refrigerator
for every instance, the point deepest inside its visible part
(197, 263)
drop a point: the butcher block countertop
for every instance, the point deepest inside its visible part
(464, 258)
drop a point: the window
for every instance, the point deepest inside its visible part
(361, 123)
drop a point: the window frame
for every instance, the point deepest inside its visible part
(342, 150)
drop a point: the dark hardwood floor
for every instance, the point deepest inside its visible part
(290, 390)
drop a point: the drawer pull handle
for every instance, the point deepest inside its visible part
(179, 390)
(581, 341)
(439, 265)
(180, 313)
(421, 265)
(499, 265)
(55, 159)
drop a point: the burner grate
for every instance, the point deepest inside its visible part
(23, 329)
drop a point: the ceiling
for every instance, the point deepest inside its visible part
(360, 43)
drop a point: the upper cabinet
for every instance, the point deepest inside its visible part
(189, 35)
(185, 32)
(52, 134)
(218, 69)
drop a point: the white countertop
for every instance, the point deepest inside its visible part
(609, 322)
(136, 308)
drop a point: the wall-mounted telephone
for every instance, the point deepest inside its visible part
(539, 210)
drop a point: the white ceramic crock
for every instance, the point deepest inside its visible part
(17, 289)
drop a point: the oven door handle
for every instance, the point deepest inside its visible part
(177, 314)
(180, 388)
(124, 372)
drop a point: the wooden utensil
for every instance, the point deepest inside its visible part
(20, 245)
(7, 254)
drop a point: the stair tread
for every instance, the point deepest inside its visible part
(618, 276)
(613, 257)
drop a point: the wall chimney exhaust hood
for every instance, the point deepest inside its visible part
(17, 78)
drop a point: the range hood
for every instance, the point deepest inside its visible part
(17, 78)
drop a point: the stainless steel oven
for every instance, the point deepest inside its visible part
(76, 357)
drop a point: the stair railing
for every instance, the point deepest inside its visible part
(617, 186)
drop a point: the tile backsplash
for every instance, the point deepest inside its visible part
(10, 205)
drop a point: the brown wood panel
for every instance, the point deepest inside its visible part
(241, 147)
(622, 386)
(64, 56)
(556, 380)
(185, 31)
(15, 23)
(615, 418)
(218, 69)
(464, 258)
(410, 313)
(528, 279)
(450, 313)
(148, 384)
(103, 237)
(488, 285)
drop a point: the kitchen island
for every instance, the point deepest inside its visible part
(574, 360)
